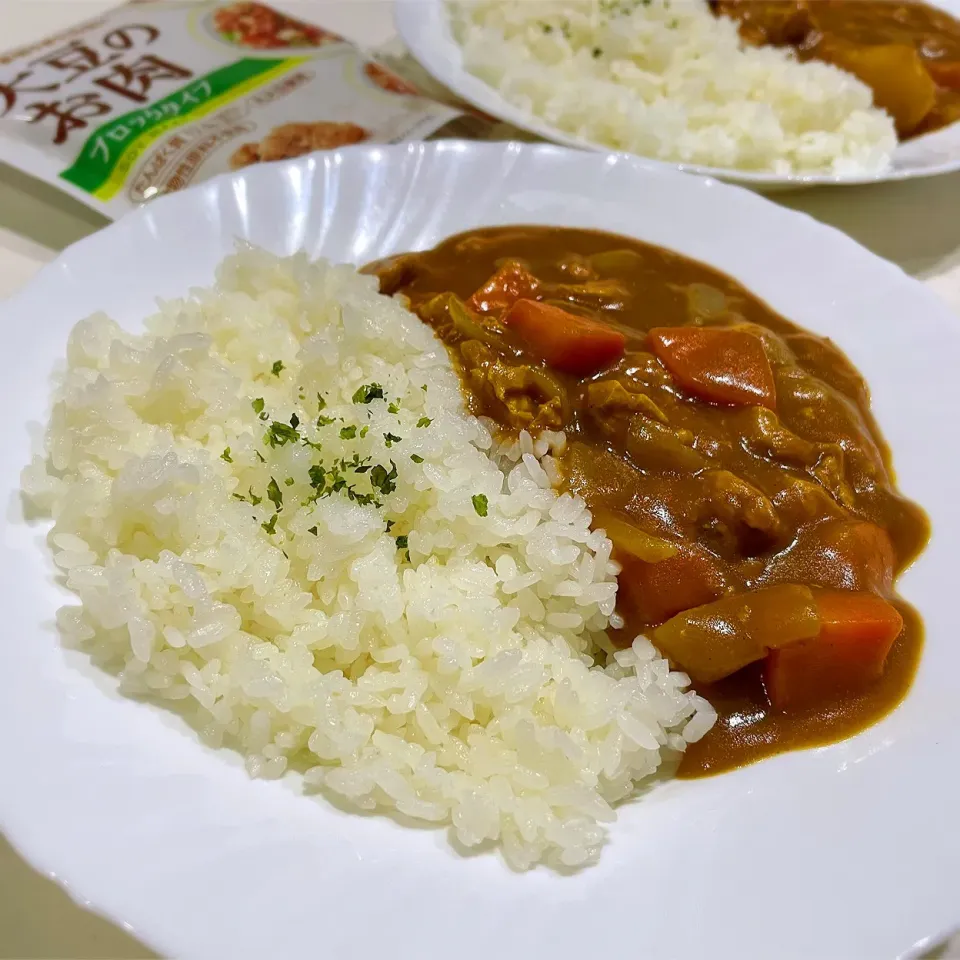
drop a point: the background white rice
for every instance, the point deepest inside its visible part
(667, 79)
(450, 677)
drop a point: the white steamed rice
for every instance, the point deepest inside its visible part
(667, 79)
(457, 685)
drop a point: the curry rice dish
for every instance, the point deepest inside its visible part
(384, 553)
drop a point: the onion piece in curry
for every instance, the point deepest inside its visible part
(730, 456)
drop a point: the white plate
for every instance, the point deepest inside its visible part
(849, 851)
(423, 25)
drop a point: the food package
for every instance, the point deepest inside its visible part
(159, 94)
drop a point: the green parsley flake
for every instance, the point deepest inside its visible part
(260, 456)
(394, 407)
(364, 431)
(276, 368)
(424, 422)
(416, 458)
(323, 421)
(312, 530)
(253, 499)
(391, 439)
(270, 525)
(318, 477)
(348, 433)
(480, 504)
(368, 392)
(383, 481)
(328, 481)
(402, 543)
(257, 405)
(226, 455)
(274, 495)
(294, 421)
(280, 434)
(288, 482)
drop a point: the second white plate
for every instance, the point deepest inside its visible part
(424, 27)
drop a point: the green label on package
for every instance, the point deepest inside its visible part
(156, 95)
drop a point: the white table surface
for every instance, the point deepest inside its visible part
(914, 224)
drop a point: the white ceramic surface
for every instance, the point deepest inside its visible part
(423, 25)
(845, 851)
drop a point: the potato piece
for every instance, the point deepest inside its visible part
(717, 639)
(896, 74)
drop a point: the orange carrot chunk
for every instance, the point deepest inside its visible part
(945, 73)
(651, 593)
(509, 284)
(564, 340)
(838, 554)
(717, 364)
(857, 631)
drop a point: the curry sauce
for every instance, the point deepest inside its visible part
(743, 507)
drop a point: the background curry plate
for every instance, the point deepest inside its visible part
(424, 28)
